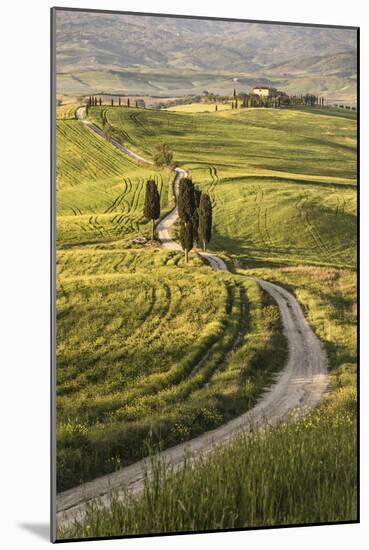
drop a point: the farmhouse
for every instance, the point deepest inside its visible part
(264, 91)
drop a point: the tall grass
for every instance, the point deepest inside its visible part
(303, 470)
(298, 472)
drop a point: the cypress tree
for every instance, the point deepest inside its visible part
(216, 107)
(119, 102)
(186, 199)
(100, 101)
(128, 103)
(197, 193)
(195, 225)
(205, 220)
(112, 101)
(186, 237)
(152, 204)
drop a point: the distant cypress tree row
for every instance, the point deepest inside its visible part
(152, 204)
(205, 220)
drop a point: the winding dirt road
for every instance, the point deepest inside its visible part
(81, 114)
(299, 385)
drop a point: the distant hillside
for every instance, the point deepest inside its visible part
(162, 55)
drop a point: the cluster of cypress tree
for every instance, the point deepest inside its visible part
(246, 100)
(152, 204)
(195, 214)
(92, 101)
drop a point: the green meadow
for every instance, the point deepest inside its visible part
(282, 182)
(151, 351)
(100, 192)
(298, 472)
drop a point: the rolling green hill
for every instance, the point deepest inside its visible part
(283, 182)
(149, 349)
(113, 300)
(100, 191)
(268, 477)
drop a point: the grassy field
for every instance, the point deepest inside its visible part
(290, 176)
(66, 111)
(150, 349)
(303, 471)
(145, 347)
(126, 315)
(199, 107)
(100, 192)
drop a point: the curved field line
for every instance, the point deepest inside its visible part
(314, 233)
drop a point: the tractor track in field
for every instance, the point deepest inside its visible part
(299, 385)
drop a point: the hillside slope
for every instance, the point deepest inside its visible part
(283, 182)
(171, 56)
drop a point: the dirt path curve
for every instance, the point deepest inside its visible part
(300, 385)
(81, 114)
(163, 226)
